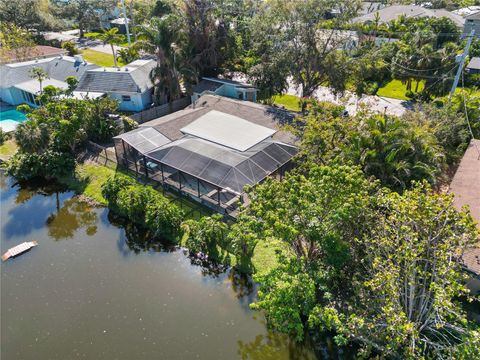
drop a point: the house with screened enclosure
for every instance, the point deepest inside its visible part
(211, 150)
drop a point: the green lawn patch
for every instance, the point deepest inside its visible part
(88, 181)
(265, 255)
(99, 58)
(290, 102)
(396, 90)
(8, 148)
(96, 35)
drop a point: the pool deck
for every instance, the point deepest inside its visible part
(7, 125)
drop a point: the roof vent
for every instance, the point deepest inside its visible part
(118, 69)
(104, 69)
(78, 58)
(126, 69)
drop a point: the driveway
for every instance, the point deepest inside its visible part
(352, 102)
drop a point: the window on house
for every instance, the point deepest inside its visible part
(126, 98)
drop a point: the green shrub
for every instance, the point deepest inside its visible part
(144, 206)
(3, 136)
(70, 47)
(207, 236)
(132, 202)
(164, 218)
(112, 187)
(49, 165)
(128, 124)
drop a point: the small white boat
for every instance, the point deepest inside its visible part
(16, 250)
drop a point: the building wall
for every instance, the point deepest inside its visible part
(6, 96)
(135, 103)
(472, 24)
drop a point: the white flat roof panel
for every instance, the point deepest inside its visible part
(228, 130)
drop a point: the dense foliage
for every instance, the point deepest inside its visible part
(49, 140)
(144, 206)
(376, 267)
(397, 151)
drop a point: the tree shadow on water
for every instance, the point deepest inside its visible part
(137, 239)
(273, 346)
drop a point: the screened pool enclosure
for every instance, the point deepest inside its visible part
(207, 171)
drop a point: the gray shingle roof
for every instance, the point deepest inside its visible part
(264, 115)
(206, 85)
(474, 63)
(132, 78)
(56, 67)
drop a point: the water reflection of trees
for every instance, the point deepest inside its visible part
(273, 346)
(139, 239)
(72, 216)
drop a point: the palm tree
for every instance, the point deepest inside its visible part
(32, 137)
(127, 55)
(111, 37)
(39, 74)
(158, 37)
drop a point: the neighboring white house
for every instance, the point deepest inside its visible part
(130, 84)
(472, 21)
(18, 87)
(390, 13)
(224, 87)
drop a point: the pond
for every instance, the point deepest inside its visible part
(94, 290)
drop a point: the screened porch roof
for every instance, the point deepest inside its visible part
(221, 166)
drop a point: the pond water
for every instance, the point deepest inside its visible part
(94, 290)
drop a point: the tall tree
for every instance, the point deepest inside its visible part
(304, 36)
(159, 37)
(375, 267)
(111, 38)
(87, 13)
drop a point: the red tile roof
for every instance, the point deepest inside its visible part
(24, 54)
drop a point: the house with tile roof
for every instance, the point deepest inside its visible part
(130, 85)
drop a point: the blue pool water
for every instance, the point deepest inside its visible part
(9, 119)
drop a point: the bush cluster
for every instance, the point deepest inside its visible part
(144, 206)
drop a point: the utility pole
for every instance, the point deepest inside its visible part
(462, 63)
(126, 23)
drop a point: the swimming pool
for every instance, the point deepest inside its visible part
(9, 119)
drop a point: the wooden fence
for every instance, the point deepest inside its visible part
(161, 110)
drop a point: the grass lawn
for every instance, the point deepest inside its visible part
(88, 181)
(265, 255)
(396, 90)
(95, 35)
(290, 102)
(8, 148)
(99, 58)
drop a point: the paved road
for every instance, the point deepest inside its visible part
(352, 102)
